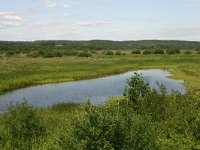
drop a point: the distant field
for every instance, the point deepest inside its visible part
(20, 71)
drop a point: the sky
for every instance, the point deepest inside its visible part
(28, 20)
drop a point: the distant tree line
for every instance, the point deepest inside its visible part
(20, 47)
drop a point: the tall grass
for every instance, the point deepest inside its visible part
(17, 72)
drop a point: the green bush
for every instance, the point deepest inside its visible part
(159, 51)
(23, 126)
(109, 53)
(136, 52)
(172, 51)
(118, 53)
(34, 54)
(10, 53)
(58, 54)
(110, 128)
(188, 52)
(136, 87)
(177, 51)
(51, 54)
(48, 55)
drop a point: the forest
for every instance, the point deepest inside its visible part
(98, 45)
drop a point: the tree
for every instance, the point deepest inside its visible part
(136, 87)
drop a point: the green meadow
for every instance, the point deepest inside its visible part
(22, 71)
(142, 119)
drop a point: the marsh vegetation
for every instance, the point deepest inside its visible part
(143, 118)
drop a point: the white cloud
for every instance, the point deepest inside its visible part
(66, 6)
(9, 16)
(48, 3)
(66, 14)
(52, 5)
(189, 33)
(8, 19)
(102, 0)
(93, 23)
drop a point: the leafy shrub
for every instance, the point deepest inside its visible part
(23, 126)
(85, 54)
(146, 101)
(188, 52)
(51, 54)
(159, 51)
(117, 53)
(110, 128)
(135, 52)
(177, 51)
(109, 53)
(10, 53)
(34, 54)
(58, 54)
(172, 51)
(48, 55)
(196, 131)
(136, 87)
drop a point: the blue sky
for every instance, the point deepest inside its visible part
(99, 19)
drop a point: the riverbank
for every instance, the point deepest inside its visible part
(97, 90)
(22, 71)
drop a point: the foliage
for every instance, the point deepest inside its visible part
(146, 52)
(173, 51)
(10, 53)
(70, 53)
(23, 127)
(22, 71)
(50, 54)
(118, 53)
(109, 53)
(136, 87)
(136, 52)
(187, 52)
(144, 119)
(159, 51)
(97, 45)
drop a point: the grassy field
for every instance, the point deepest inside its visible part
(21, 71)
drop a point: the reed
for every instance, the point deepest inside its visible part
(21, 71)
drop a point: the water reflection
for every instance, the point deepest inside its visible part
(96, 89)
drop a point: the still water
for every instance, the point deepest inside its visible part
(78, 91)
